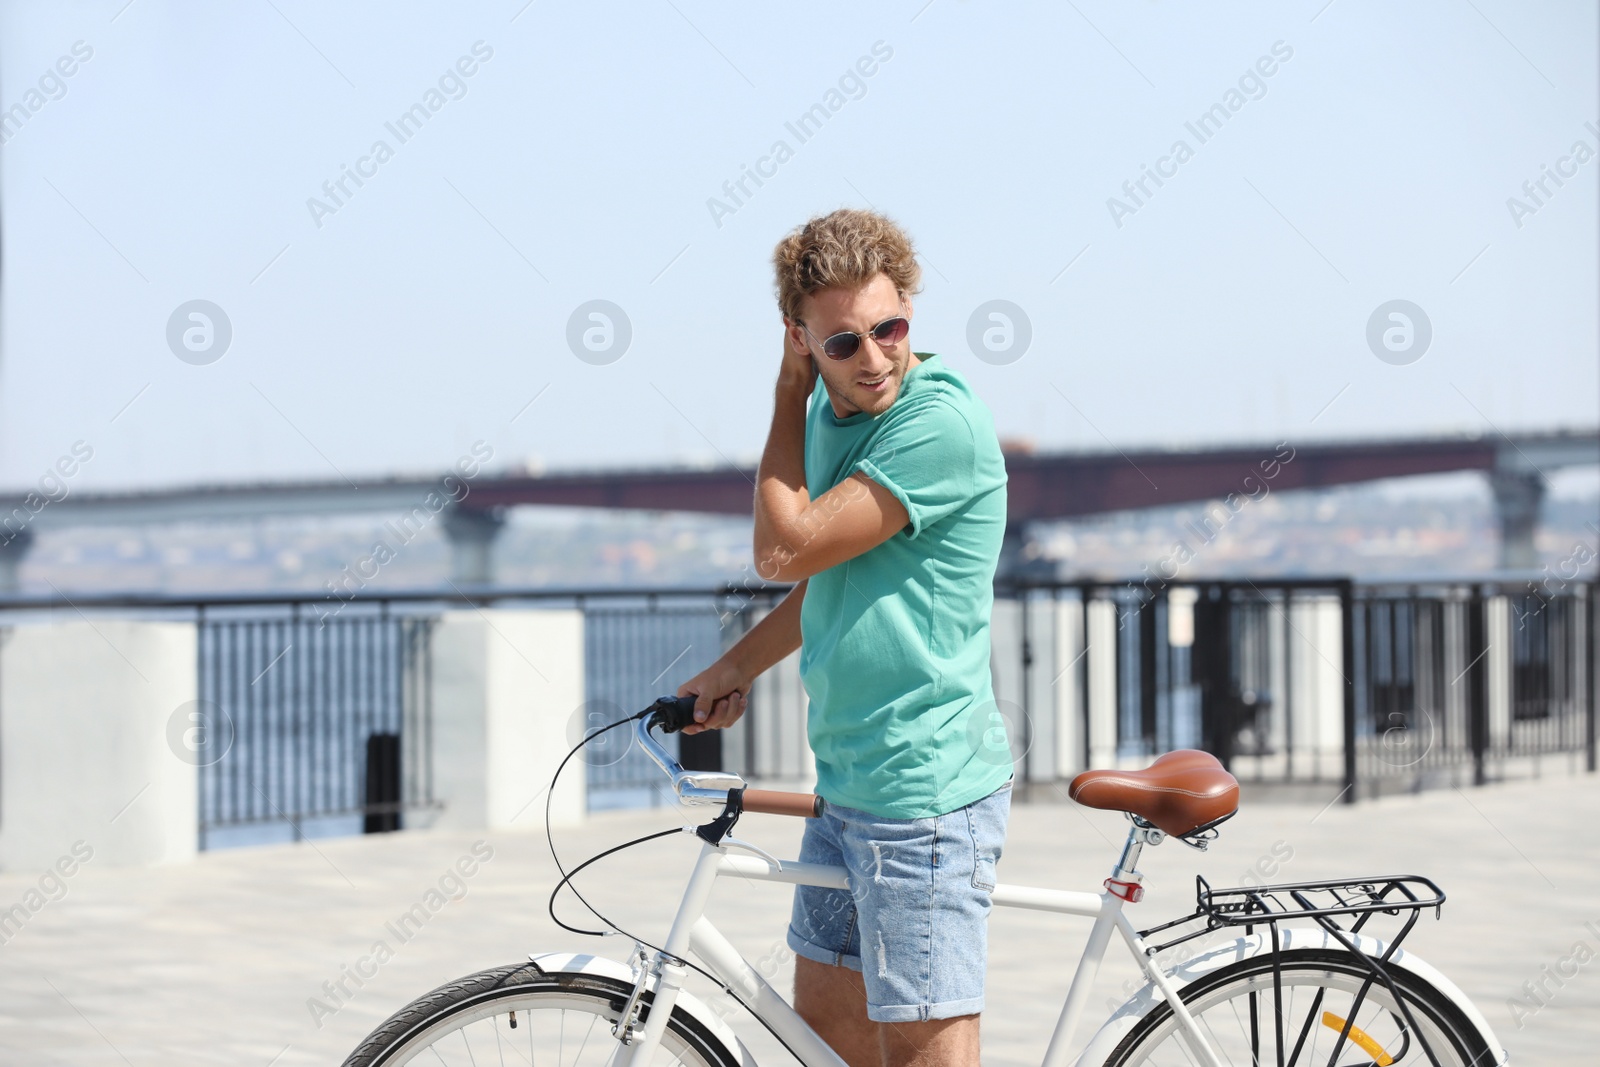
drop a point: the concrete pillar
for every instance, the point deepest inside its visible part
(1499, 677)
(508, 696)
(1316, 647)
(93, 727)
(1068, 668)
(1517, 496)
(14, 546)
(472, 535)
(1101, 663)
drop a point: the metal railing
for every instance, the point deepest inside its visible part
(1371, 687)
(1115, 673)
(1473, 682)
(331, 719)
(315, 721)
(1376, 687)
(639, 646)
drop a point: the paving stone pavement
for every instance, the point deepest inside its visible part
(223, 960)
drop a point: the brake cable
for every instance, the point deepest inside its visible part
(566, 880)
(566, 876)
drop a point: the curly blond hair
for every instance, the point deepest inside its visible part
(845, 249)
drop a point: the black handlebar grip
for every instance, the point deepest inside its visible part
(673, 713)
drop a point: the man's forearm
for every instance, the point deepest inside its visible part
(781, 493)
(771, 639)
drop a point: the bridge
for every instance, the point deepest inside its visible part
(1042, 486)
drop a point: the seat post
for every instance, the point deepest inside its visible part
(1127, 864)
(1140, 834)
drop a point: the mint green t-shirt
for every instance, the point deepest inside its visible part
(894, 649)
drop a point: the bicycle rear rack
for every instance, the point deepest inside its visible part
(1324, 903)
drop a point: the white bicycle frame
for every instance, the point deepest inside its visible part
(692, 932)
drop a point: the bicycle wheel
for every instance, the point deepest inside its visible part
(1235, 1008)
(515, 1014)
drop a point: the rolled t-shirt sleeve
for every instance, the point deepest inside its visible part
(925, 457)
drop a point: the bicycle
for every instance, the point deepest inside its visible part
(1302, 982)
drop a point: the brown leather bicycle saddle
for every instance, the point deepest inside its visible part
(1180, 793)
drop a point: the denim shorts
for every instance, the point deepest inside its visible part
(918, 902)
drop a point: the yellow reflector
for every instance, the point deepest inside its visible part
(1359, 1036)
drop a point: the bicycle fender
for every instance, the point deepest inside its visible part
(585, 963)
(1197, 966)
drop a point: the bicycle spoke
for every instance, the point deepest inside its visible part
(452, 1026)
(592, 1020)
(1405, 1037)
(1229, 1016)
(511, 1042)
(1255, 1029)
(1215, 1041)
(1241, 1024)
(1311, 1019)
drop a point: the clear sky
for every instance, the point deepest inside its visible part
(389, 328)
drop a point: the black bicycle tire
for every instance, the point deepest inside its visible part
(1442, 1012)
(517, 980)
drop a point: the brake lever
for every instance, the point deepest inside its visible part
(747, 846)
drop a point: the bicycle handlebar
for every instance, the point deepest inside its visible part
(780, 802)
(673, 713)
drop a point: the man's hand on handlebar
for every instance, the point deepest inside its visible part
(721, 691)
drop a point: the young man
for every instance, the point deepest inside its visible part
(882, 496)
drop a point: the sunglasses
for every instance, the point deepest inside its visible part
(843, 345)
